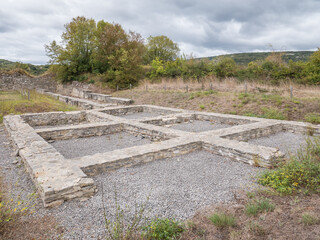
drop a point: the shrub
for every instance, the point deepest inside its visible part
(223, 220)
(301, 172)
(259, 206)
(163, 229)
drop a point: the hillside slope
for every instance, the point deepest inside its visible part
(245, 58)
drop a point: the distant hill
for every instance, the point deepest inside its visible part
(245, 58)
(30, 68)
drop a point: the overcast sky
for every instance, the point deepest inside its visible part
(200, 27)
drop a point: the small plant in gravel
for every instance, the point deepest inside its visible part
(309, 219)
(123, 227)
(14, 207)
(223, 220)
(300, 174)
(163, 229)
(259, 206)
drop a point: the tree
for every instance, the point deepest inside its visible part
(74, 56)
(102, 48)
(313, 68)
(119, 54)
(161, 47)
(225, 67)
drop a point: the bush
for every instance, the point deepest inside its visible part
(223, 220)
(163, 229)
(301, 172)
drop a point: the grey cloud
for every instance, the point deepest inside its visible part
(200, 27)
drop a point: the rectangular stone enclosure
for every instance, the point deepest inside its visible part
(62, 150)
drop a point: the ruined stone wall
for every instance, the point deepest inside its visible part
(19, 80)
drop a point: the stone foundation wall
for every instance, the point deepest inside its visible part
(54, 118)
(17, 81)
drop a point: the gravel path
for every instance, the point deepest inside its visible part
(199, 126)
(175, 187)
(140, 115)
(286, 142)
(80, 147)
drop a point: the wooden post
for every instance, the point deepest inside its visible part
(291, 91)
(187, 89)
(146, 87)
(211, 87)
(28, 95)
(130, 85)
(117, 88)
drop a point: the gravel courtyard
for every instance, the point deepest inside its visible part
(174, 187)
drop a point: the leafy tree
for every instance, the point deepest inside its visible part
(313, 68)
(74, 56)
(119, 54)
(161, 47)
(102, 48)
(225, 67)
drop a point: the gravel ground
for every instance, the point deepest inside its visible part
(80, 147)
(174, 187)
(139, 115)
(199, 126)
(286, 142)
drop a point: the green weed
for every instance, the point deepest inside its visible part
(300, 173)
(259, 206)
(223, 220)
(163, 229)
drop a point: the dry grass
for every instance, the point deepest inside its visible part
(12, 102)
(285, 222)
(262, 103)
(234, 86)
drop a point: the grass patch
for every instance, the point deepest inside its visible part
(259, 206)
(300, 174)
(309, 219)
(12, 102)
(313, 118)
(201, 106)
(222, 220)
(163, 229)
(272, 113)
(274, 98)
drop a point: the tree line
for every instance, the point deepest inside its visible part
(122, 58)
